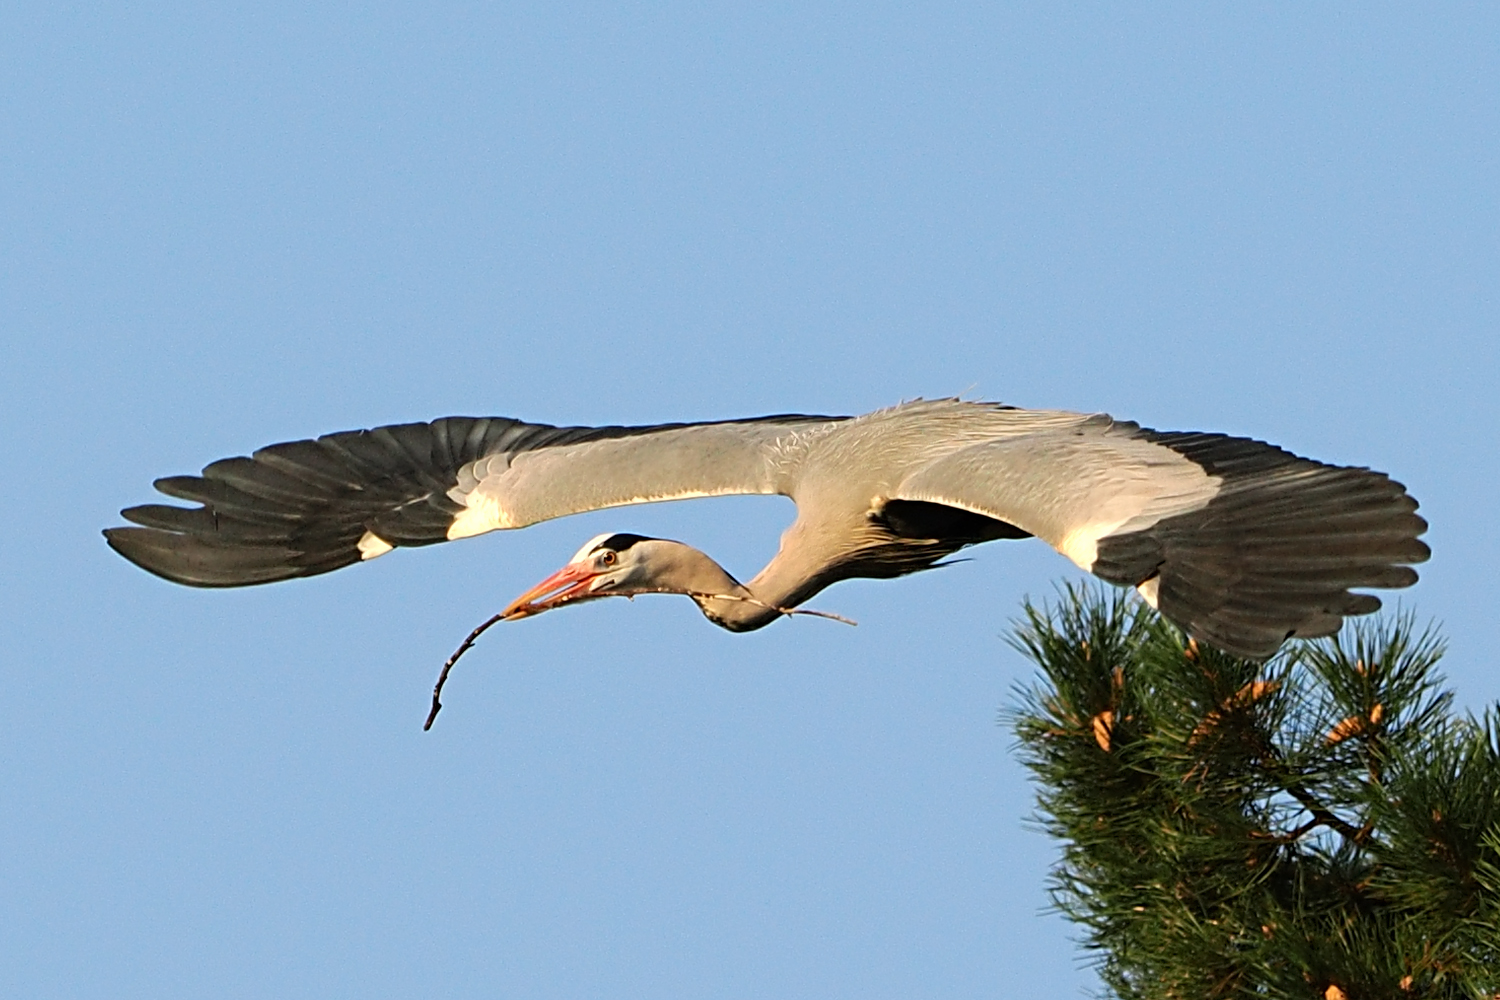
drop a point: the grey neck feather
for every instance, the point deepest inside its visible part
(797, 572)
(722, 599)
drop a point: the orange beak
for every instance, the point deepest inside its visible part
(567, 584)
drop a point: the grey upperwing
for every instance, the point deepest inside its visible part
(308, 507)
(1238, 542)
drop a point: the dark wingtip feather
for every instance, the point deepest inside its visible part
(1278, 552)
(191, 560)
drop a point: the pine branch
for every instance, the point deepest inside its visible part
(1319, 825)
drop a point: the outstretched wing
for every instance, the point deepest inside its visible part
(1238, 542)
(308, 507)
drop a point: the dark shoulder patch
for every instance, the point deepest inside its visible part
(924, 519)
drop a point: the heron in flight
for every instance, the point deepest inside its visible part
(1239, 543)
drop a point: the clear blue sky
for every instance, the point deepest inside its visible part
(224, 226)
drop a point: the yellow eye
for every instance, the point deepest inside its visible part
(609, 558)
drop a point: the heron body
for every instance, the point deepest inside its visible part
(1238, 542)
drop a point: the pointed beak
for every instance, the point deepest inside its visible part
(567, 584)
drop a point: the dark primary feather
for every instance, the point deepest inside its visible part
(1276, 553)
(300, 508)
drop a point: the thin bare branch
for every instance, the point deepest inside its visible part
(437, 689)
(1323, 815)
(762, 604)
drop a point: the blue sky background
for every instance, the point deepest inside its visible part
(227, 225)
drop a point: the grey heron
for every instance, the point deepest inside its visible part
(1239, 543)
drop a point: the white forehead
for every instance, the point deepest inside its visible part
(590, 546)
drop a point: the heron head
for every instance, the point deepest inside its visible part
(607, 565)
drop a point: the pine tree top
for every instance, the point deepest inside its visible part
(1321, 824)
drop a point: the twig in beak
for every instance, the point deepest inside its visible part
(437, 689)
